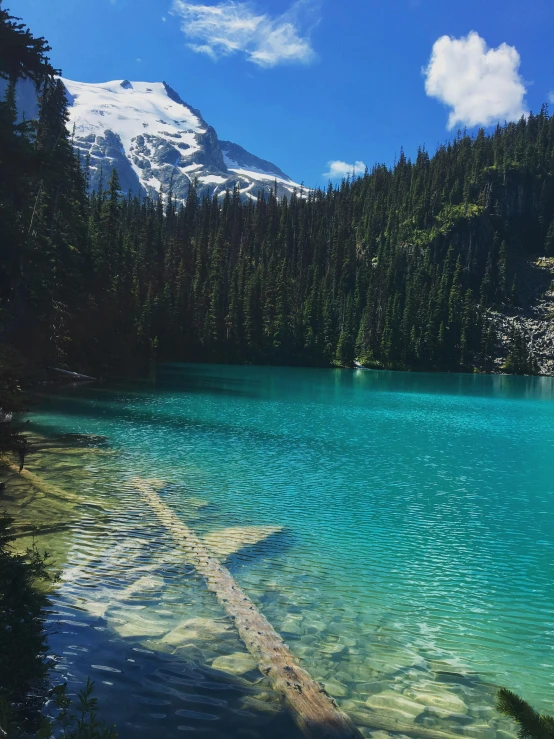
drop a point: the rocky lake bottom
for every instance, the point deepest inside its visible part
(397, 610)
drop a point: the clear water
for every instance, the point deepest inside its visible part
(416, 557)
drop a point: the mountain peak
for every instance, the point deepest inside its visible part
(157, 140)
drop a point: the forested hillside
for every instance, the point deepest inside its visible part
(399, 268)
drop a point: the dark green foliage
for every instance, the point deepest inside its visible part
(520, 360)
(532, 725)
(395, 269)
(42, 203)
(23, 646)
(22, 635)
(14, 371)
(80, 725)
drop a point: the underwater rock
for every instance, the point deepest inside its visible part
(96, 608)
(445, 701)
(359, 714)
(237, 663)
(140, 627)
(477, 731)
(303, 652)
(448, 666)
(395, 705)
(292, 624)
(197, 629)
(432, 714)
(255, 703)
(502, 734)
(142, 585)
(156, 645)
(335, 688)
(365, 686)
(191, 653)
(332, 649)
(348, 641)
(261, 704)
(394, 660)
(226, 542)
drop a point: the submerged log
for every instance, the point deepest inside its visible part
(73, 375)
(314, 711)
(47, 488)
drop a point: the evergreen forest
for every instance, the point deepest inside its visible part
(398, 268)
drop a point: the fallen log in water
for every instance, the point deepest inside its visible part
(25, 530)
(314, 711)
(73, 375)
(48, 489)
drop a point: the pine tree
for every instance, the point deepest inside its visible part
(532, 725)
(520, 360)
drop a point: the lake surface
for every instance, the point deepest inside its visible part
(411, 570)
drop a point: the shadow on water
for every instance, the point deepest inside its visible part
(276, 545)
(185, 378)
(268, 381)
(156, 694)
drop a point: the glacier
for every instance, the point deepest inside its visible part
(157, 142)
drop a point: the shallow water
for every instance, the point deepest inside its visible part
(412, 571)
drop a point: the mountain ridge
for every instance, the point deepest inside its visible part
(156, 140)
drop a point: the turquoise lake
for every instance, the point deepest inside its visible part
(413, 552)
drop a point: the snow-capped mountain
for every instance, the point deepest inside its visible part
(153, 138)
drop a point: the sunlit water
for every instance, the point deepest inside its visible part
(413, 573)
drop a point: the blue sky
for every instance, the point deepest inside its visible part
(316, 86)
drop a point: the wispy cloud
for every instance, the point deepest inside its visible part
(232, 27)
(339, 169)
(551, 96)
(480, 85)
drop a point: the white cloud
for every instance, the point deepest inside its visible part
(480, 85)
(233, 27)
(551, 97)
(338, 169)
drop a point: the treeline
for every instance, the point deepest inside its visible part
(396, 268)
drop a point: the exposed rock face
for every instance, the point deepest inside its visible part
(106, 153)
(534, 316)
(157, 141)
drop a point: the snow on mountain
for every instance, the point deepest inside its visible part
(154, 139)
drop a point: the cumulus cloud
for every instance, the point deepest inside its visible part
(232, 27)
(338, 169)
(480, 85)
